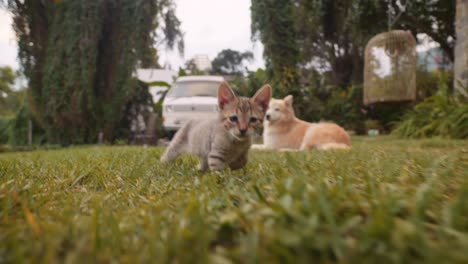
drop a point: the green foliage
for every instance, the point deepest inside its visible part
(182, 72)
(192, 68)
(79, 57)
(334, 104)
(158, 83)
(249, 85)
(345, 107)
(273, 25)
(428, 82)
(230, 62)
(384, 201)
(388, 113)
(10, 100)
(18, 128)
(158, 106)
(436, 18)
(331, 103)
(372, 124)
(141, 103)
(4, 129)
(7, 79)
(9, 105)
(14, 113)
(441, 114)
(331, 35)
(325, 40)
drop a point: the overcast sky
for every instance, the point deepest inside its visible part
(213, 25)
(209, 26)
(8, 50)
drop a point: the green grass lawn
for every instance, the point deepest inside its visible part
(395, 201)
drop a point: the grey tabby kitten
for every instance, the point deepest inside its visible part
(226, 139)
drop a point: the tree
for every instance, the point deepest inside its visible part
(333, 35)
(461, 53)
(330, 35)
(7, 79)
(436, 18)
(336, 32)
(230, 62)
(273, 24)
(191, 67)
(79, 57)
(248, 85)
(10, 99)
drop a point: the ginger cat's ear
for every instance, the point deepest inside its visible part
(288, 100)
(262, 97)
(225, 95)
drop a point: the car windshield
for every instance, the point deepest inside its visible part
(194, 88)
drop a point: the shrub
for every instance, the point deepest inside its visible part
(428, 82)
(342, 106)
(4, 129)
(250, 84)
(345, 107)
(387, 113)
(442, 114)
(373, 124)
(18, 129)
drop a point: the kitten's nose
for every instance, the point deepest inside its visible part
(243, 131)
(268, 117)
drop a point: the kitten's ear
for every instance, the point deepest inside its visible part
(225, 95)
(262, 97)
(288, 100)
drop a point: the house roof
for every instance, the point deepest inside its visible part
(156, 75)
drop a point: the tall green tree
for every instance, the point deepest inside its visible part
(436, 18)
(10, 99)
(274, 25)
(230, 62)
(192, 68)
(330, 35)
(333, 35)
(7, 79)
(79, 58)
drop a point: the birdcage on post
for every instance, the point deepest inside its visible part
(390, 68)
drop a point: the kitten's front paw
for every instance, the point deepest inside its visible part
(217, 168)
(164, 159)
(202, 167)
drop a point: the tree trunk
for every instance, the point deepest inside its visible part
(461, 49)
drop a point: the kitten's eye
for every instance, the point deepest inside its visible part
(276, 109)
(233, 119)
(253, 119)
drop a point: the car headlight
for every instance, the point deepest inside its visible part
(169, 108)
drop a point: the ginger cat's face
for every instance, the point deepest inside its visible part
(241, 115)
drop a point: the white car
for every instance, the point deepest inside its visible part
(191, 97)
